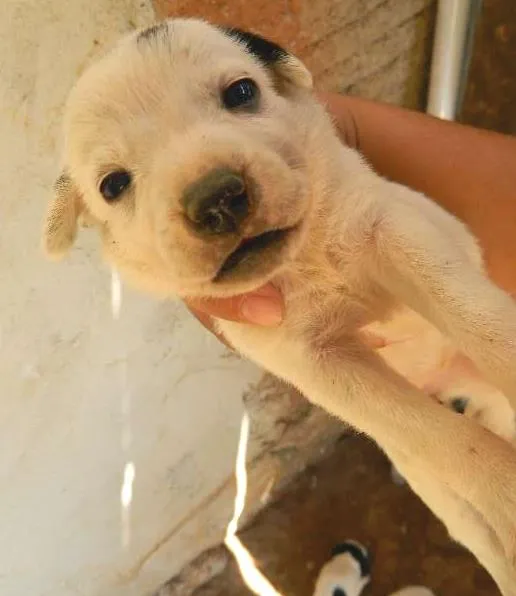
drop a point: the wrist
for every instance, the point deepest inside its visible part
(340, 109)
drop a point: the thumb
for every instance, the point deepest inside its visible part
(263, 307)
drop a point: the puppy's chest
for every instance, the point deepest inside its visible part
(402, 338)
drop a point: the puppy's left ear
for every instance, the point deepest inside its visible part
(286, 67)
(62, 218)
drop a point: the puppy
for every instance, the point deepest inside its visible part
(348, 572)
(202, 158)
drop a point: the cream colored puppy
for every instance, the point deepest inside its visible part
(208, 168)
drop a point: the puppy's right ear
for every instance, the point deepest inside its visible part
(61, 224)
(285, 66)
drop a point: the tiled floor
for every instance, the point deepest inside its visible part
(378, 50)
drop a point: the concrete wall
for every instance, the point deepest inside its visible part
(82, 394)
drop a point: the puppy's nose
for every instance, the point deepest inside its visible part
(217, 203)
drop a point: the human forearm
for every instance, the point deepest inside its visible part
(470, 172)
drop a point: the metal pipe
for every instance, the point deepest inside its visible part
(456, 20)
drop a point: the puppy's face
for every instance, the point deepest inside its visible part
(187, 148)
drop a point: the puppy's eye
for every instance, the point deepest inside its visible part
(241, 94)
(114, 184)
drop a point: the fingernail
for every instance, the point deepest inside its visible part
(261, 311)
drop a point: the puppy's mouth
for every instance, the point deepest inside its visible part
(252, 252)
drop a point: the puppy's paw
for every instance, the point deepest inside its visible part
(495, 413)
(459, 404)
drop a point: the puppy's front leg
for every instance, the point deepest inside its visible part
(427, 259)
(464, 473)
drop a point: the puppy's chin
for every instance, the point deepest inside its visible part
(247, 267)
(253, 263)
(256, 256)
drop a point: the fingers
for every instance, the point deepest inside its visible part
(263, 307)
(207, 322)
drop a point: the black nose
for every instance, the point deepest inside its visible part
(217, 203)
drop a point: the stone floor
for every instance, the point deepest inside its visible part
(350, 495)
(350, 492)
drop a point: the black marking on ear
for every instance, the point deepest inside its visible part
(359, 553)
(339, 592)
(153, 32)
(265, 50)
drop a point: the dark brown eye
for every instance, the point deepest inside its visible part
(241, 94)
(114, 184)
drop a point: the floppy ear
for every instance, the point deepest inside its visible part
(62, 216)
(286, 67)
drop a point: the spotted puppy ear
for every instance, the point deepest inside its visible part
(286, 67)
(62, 217)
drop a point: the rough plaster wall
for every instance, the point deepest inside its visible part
(81, 393)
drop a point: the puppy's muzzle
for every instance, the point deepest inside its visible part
(218, 203)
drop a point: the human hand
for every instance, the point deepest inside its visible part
(263, 307)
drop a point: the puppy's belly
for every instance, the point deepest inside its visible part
(415, 349)
(420, 353)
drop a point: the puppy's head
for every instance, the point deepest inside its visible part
(188, 148)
